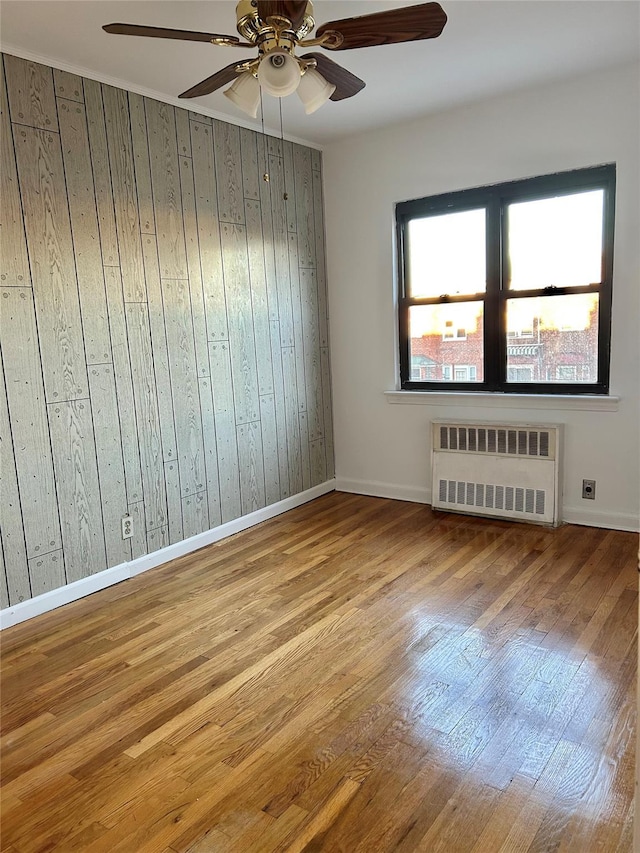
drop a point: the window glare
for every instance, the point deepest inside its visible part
(447, 254)
(556, 241)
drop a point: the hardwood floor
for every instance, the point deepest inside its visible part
(358, 674)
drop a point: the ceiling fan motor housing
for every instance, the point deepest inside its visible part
(257, 31)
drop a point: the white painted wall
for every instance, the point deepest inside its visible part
(383, 449)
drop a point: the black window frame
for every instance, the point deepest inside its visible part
(495, 199)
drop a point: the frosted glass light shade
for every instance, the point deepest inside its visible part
(314, 90)
(279, 74)
(245, 93)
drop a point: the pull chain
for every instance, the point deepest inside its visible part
(265, 176)
(284, 171)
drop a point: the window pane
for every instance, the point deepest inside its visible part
(556, 241)
(447, 254)
(563, 344)
(446, 342)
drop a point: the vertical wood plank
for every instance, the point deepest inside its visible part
(240, 319)
(318, 462)
(274, 146)
(160, 351)
(269, 227)
(84, 229)
(4, 589)
(259, 301)
(281, 410)
(210, 451)
(327, 411)
(157, 539)
(193, 265)
(194, 514)
(147, 415)
(290, 187)
(316, 159)
(111, 477)
(226, 439)
(139, 544)
(318, 224)
(270, 448)
(293, 424)
(304, 450)
(251, 176)
(31, 94)
(11, 529)
(183, 133)
(209, 232)
(101, 172)
(50, 248)
(47, 572)
(125, 201)
(74, 460)
(250, 457)
(172, 480)
(313, 373)
(184, 386)
(124, 385)
(266, 209)
(298, 330)
(165, 180)
(14, 263)
(141, 163)
(281, 252)
(304, 206)
(67, 85)
(27, 412)
(198, 117)
(228, 172)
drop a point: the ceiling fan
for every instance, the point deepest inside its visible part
(278, 28)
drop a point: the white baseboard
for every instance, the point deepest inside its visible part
(594, 518)
(79, 589)
(415, 494)
(376, 489)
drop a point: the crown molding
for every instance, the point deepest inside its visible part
(117, 83)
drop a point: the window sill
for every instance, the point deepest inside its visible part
(567, 402)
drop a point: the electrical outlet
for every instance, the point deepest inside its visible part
(589, 490)
(127, 527)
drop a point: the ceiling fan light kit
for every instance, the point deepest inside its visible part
(245, 93)
(314, 90)
(277, 28)
(279, 73)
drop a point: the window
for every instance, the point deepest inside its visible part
(520, 374)
(464, 372)
(567, 373)
(508, 287)
(452, 334)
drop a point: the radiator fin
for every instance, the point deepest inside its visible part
(500, 440)
(524, 501)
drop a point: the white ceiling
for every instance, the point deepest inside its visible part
(488, 47)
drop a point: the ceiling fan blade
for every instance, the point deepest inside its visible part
(409, 23)
(292, 9)
(347, 84)
(164, 33)
(216, 81)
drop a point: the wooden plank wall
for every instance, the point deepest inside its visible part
(164, 336)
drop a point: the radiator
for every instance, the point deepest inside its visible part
(502, 470)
